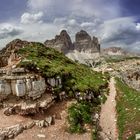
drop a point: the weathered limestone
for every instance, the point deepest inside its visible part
(84, 43)
(5, 87)
(61, 43)
(20, 83)
(54, 81)
(13, 131)
(132, 77)
(27, 107)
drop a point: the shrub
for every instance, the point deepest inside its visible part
(79, 114)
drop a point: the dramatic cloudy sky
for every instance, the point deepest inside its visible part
(115, 22)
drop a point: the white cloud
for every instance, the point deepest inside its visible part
(28, 18)
(8, 30)
(101, 8)
(120, 32)
(72, 22)
(39, 4)
(45, 19)
(138, 26)
(87, 24)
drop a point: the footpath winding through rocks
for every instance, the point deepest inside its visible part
(108, 120)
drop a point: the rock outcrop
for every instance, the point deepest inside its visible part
(12, 132)
(114, 51)
(21, 83)
(8, 55)
(84, 43)
(132, 77)
(62, 42)
(85, 48)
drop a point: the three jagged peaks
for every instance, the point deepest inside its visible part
(83, 42)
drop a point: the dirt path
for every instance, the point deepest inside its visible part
(56, 131)
(108, 113)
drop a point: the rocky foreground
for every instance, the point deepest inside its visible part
(38, 84)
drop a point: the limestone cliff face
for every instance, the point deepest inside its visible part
(84, 43)
(84, 48)
(62, 42)
(19, 82)
(8, 54)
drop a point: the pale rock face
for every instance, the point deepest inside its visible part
(20, 88)
(21, 85)
(28, 85)
(83, 57)
(54, 81)
(112, 51)
(5, 87)
(132, 77)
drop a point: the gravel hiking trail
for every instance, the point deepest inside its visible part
(108, 119)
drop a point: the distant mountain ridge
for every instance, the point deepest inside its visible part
(82, 49)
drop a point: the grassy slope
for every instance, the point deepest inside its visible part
(128, 108)
(51, 63)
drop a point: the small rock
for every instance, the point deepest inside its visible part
(8, 111)
(49, 120)
(19, 129)
(96, 116)
(41, 136)
(29, 125)
(2, 136)
(41, 123)
(11, 136)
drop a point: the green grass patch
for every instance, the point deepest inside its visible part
(128, 109)
(51, 63)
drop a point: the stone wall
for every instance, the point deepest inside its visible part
(17, 82)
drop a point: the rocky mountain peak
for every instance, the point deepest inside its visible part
(62, 42)
(82, 35)
(84, 42)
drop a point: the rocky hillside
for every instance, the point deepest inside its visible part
(61, 73)
(82, 49)
(114, 51)
(9, 53)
